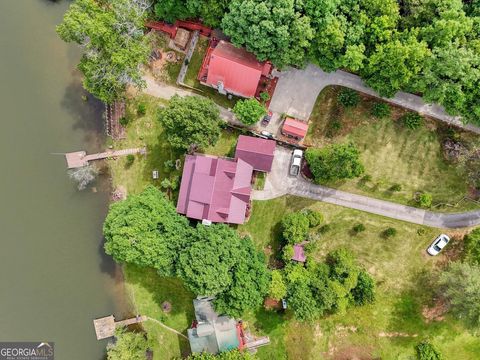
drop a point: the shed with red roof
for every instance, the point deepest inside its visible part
(256, 151)
(215, 189)
(234, 70)
(299, 253)
(294, 128)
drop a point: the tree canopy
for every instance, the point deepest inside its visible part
(128, 346)
(190, 121)
(249, 111)
(111, 32)
(295, 227)
(334, 162)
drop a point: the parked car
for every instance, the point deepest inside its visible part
(438, 244)
(266, 119)
(296, 162)
(266, 135)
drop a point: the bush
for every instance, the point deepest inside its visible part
(278, 289)
(426, 351)
(425, 200)
(396, 187)
(348, 98)
(380, 110)
(130, 160)
(287, 253)
(124, 121)
(358, 228)
(472, 247)
(295, 227)
(249, 111)
(314, 217)
(390, 232)
(141, 109)
(264, 96)
(334, 162)
(364, 292)
(412, 120)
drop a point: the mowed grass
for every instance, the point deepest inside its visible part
(391, 153)
(147, 292)
(192, 72)
(388, 329)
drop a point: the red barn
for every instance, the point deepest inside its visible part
(234, 70)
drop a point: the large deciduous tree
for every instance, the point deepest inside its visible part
(249, 111)
(272, 29)
(295, 227)
(128, 346)
(146, 230)
(210, 11)
(111, 32)
(334, 162)
(190, 121)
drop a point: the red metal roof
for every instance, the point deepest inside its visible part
(215, 189)
(299, 253)
(294, 127)
(236, 68)
(256, 151)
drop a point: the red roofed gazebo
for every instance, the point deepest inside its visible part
(256, 151)
(232, 70)
(294, 128)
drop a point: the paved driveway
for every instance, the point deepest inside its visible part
(279, 183)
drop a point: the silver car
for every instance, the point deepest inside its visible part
(438, 244)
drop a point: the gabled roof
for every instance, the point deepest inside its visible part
(215, 189)
(295, 127)
(238, 70)
(256, 151)
(299, 253)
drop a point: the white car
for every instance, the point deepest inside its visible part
(438, 244)
(296, 162)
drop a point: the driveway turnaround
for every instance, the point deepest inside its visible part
(278, 183)
(297, 91)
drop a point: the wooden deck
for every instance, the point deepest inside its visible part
(105, 327)
(79, 159)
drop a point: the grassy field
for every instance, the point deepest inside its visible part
(391, 327)
(391, 153)
(192, 72)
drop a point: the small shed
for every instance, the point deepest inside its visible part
(299, 253)
(181, 38)
(294, 128)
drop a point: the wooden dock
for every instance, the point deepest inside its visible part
(79, 159)
(105, 327)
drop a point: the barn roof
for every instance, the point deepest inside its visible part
(256, 151)
(215, 189)
(238, 69)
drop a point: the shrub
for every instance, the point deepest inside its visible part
(380, 110)
(472, 247)
(364, 292)
(348, 98)
(358, 228)
(426, 351)
(249, 111)
(264, 96)
(412, 120)
(390, 232)
(130, 160)
(396, 187)
(295, 227)
(314, 217)
(141, 109)
(169, 164)
(334, 162)
(287, 253)
(425, 200)
(124, 121)
(166, 184)
(278, 289)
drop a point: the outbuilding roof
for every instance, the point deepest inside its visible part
(238, 70)
(299, 253)
(256, 151)
(215, 189)
(294, 127)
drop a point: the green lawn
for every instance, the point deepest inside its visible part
(391, 153)
(192, 72)
(147, 291)
(403, 273)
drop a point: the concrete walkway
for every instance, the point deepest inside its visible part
(279, 183)
(297, 91)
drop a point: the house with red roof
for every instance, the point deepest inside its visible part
(256, 151)
(294, 128)
(215, 189)
(232, 70)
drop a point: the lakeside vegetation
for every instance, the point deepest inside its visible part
(399, 162)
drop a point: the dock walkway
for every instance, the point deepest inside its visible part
(105, 327)
(79, 159)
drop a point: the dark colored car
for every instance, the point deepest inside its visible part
(266, 119)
